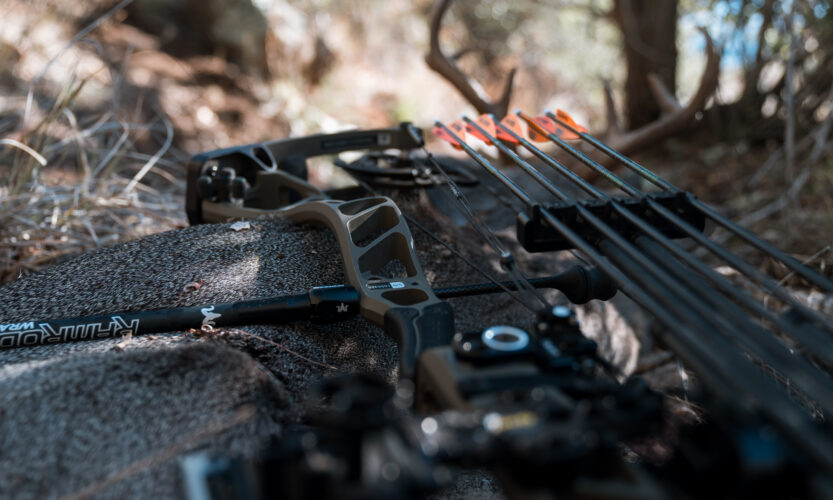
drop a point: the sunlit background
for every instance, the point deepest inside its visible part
(102, 102)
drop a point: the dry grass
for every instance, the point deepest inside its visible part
(70, 184)
(103, 112)
(81, 167)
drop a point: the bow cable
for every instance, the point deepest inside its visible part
(507, 260)
(501, 285)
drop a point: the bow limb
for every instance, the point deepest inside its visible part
(259, 179)
(380, 262)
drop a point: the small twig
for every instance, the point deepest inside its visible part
(102, 128)
(789, 131)
(827, 248)
(143, 157)
(149, 165)
(26, 149)
(86, 222)
(35, 264)
(280, 346)
(290, 351)
(779, 203)
(783, 280)
(82, 153)
(37, 243)
(818, 139)
(774, 160)
(118, 220)
(161, 173)
(138, 187)
(111, 153)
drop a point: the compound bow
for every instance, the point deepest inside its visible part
(539, 407)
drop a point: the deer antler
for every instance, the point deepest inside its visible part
(676, 116)
(447, 68)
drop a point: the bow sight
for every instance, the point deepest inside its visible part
(538, 407)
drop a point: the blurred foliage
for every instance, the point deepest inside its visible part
(359, 63)
(489, 28)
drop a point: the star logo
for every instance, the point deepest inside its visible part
(342, 308)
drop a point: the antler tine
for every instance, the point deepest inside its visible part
(663, 95)
(445, 67)
(677, 116)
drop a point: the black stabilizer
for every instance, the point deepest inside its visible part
(321, 304)
(333, 303)
(580, 285)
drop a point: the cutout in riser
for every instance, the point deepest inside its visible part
(407, 297)
(366, 228)
(378, 257)
(354, 207)
(394, 269)
(263, 156)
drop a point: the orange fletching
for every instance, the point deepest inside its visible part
(543, 122)
(563, 116)
(485, 122)
(459, 129)
(551, 127)
(442, 134)
(513, 124)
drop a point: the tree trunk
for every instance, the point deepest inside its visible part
(649, 34)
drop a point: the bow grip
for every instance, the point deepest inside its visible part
(380, 262)
(416, 330)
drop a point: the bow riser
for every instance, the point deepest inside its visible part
(380, 261)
